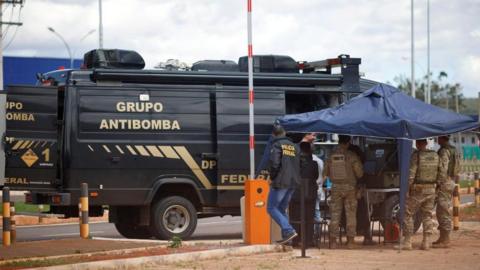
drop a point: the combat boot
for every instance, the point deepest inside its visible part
(406, 245)
(350, 242)
(332, 242)
(426, 242)
(445, 243)
(440, 239)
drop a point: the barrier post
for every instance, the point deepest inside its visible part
(6, 217)
(257, 220)
(40, 213)
(83, 214)
(456, 205)
(13, 231)
(477, 192)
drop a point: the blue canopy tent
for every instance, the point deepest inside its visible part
(386, 112)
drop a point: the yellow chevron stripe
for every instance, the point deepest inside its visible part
(17, 145)
(91, 148)
(230, 187)
(142, 150)
(36, 144)
(119, 149)
(131, 150)
(154, 151)
(106, 148)
(183, 152)
(24, 145)
(30, 144)
(169, 152)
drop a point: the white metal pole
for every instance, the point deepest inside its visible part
(3, 100)
(100, 25)
(412, 50)
(1, 47)
(429, 80)
(250, 91)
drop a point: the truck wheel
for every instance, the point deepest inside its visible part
(129, 230)
(392, 208)
(173, 216)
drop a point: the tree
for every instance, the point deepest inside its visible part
(443, 93)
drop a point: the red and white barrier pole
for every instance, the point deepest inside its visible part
(250, 90)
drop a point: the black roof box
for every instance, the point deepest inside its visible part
(215, 65)
(269, 63)
(113, 58)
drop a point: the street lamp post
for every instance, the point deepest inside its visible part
(65, 43)
(82, 39)
(70, 53)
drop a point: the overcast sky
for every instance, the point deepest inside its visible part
(378, 31)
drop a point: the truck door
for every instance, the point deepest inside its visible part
(31, 138)
(233, 133)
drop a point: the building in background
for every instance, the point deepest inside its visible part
(23, 70)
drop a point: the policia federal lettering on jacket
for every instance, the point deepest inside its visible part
(284, 169)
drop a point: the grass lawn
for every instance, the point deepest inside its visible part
(30, 208)
(465, 183)
(470, 213)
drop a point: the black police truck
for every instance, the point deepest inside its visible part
(159, 148)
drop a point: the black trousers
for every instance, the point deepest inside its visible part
(294, 211)
(363, 220)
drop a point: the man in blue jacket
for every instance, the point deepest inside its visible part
(284, 169)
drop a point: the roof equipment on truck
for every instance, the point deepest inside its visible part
(113, 58)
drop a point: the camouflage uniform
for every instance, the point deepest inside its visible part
(445, 189)
(344, 168)
(427, 169)
(444, 195)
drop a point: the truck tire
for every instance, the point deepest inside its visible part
(391, 208)
(133, 231)
(173, 216)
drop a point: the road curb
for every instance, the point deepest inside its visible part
(225, 242)
(79, 255)
(152, 261)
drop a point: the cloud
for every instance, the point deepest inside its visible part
(189, 30)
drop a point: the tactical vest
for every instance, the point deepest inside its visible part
(427, 167)
(341, 168)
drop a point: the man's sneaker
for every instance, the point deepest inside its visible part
(287, 238)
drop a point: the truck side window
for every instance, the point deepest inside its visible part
(307, 102)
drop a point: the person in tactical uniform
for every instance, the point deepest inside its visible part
(363, 217)
(284, 169)
(343, 168)
(445, 191)
(427, 169)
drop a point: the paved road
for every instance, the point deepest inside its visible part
(208, 228)
(466, 198)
